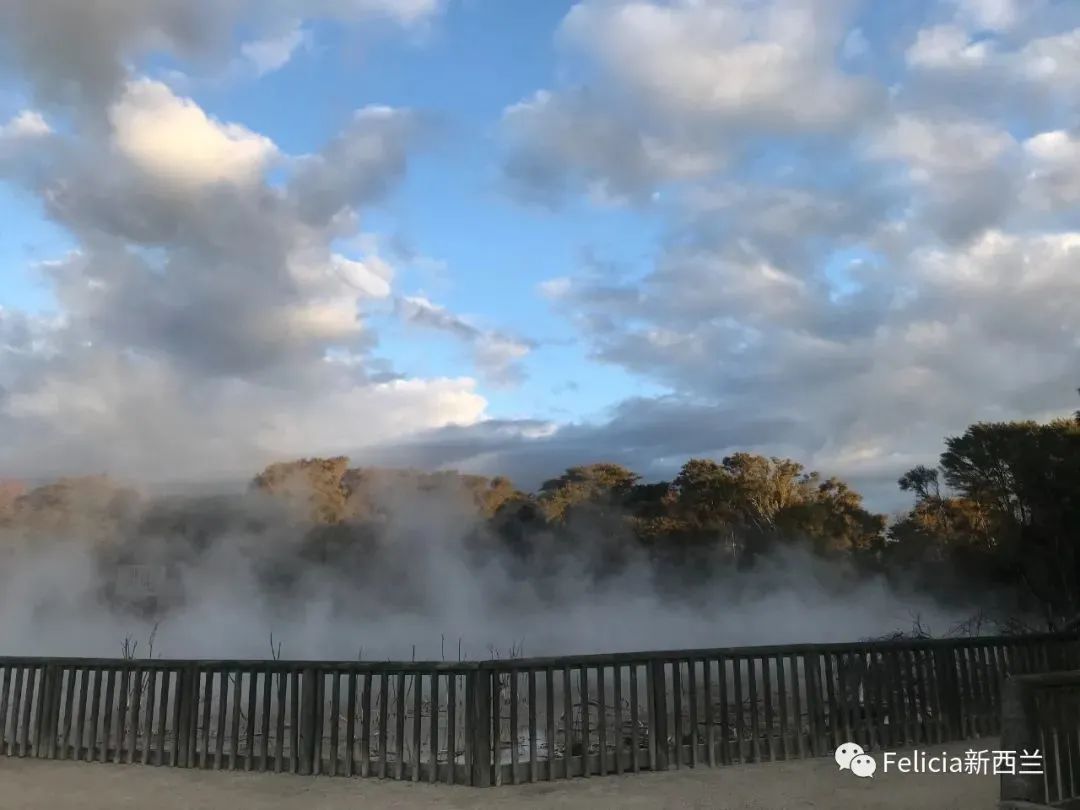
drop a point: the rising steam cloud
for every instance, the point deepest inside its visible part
(428, 582)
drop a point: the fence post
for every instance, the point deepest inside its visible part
(187, 683)
(658, 688)
(949, 690)
(44, 714)
(308, 689)
(478, 682)
(814, 708)
(1020, 732)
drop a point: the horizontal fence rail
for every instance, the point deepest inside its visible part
(517, 720)
(1041, 713)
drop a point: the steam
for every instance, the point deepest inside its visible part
(429, 582)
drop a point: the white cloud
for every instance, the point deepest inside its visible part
(931, 146)
(274, 52)
(406, 12)
(172, 139)
(1054, 161)
(1022, 55)
(144, 418)
(742, 63)
(671, 89)
(968, 170)
(552, 136)
(201, 313)
(27, 124)
(995, 15)
(497, 355)
(1052, 61)
(948, 47)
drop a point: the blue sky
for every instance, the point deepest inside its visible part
(655, 227)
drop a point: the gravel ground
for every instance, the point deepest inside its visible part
(43, 785)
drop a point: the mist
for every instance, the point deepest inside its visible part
(245, 579)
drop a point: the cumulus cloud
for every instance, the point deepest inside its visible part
(1054, 159)
(967, 170)
(207, 320)
(27, 124)
(552, 137)
(174, 140)
(676, 86)
(741, 63)
(1010, 59)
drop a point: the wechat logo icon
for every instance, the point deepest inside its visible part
(851, 757)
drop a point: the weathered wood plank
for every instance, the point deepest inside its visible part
(384, 721)
(157, 752)
(677, 710)
(282, 712)
(433, 731)
(740, 711)
(635, 719)
(755, 715)
(583, 685)
(418, 697)
(725, 711)
(365, 727)
(766, 674)
(549, 694)
(618, 729)
(601, 698)
(568, 723)
(513, 738)
(782, 702)
(797, 717)
(399, 726)
(451, 730)
(335, 725)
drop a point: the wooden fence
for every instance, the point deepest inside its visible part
(496, 722)
(1042, 713)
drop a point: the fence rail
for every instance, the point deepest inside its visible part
(494, 722)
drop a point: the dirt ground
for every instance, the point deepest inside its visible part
(42, 785)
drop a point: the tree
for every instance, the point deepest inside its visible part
(923, 481)
(600, 486)
(1013, 512)
(832, 519)
(312, 487)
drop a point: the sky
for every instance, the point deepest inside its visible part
(512, 237)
